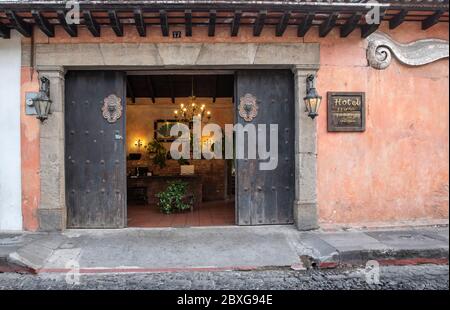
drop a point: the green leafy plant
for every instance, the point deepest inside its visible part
(173, 199)
(158, 152)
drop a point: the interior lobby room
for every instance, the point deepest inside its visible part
(164, 192)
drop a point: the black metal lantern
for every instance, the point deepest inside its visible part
(312, 98)
(40, 101)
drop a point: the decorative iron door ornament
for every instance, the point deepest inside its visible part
(112, 108)
(248, 107)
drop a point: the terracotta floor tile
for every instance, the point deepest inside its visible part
(210, 213)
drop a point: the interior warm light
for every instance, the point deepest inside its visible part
(188, 111)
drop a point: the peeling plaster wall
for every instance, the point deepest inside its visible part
(10, 179)
(398, 169)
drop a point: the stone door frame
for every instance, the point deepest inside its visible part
(53, 61)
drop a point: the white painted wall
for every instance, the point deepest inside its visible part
(10, 172)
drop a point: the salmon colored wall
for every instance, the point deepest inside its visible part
(30, 153)
(396, 170)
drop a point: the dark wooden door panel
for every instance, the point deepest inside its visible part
(267, 196)
(95, 152)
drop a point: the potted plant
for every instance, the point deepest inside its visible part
(174, 198)
(185, 167)
(157, 152)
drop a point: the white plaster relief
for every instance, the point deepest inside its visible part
(381, 47)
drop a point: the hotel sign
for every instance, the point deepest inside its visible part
(346, 111)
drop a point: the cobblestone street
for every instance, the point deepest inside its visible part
(390, 277)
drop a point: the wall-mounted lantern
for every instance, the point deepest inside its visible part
(39, 103)
(312, 98)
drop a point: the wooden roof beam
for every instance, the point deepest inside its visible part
(283, 23)
(398, 19)
(259, 23)
(5, 32)
(236, 23)
(326, 26)
(71, 29)
(115, 23)
(350, 25)
(432, 20)
(368, 29)
(43, 23)
(188, 22)
(24, 28)
(164, 23)
(140, 23)
(91, 23)
(212, 23)
(305, 25)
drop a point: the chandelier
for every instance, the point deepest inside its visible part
(186, 112)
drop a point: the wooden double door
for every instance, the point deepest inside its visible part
(95, 156)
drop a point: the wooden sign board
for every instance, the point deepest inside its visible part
(346, 111)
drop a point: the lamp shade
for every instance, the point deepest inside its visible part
(313, 105)
(42, 106)
(312, 99)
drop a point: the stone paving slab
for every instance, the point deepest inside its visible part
(222, 248)
(409, 239)
(175, 248)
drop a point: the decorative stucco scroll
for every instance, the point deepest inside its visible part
(421, 52)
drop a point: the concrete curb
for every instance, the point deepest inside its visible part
(438, 256)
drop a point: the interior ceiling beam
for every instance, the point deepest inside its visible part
(172, 89)
(151, 89)
(188, 23)
(140, 23)
(212, 23)
(350, 25)
(5, 32)
(216, 81)
(24, 28)
(164, 23)
(432, 20)
(43, 23)
(305, 25)
(283, 23)
(115, 23)
(91, 23)
(326, 26)
(259, 23)
(398, 19)
(236, 23)
(130, 90)
(71, 29)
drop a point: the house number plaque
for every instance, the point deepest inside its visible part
(346, 111)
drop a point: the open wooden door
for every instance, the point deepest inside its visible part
(95, 151)
(267, 196)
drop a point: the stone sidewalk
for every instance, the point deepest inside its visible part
(217, 249)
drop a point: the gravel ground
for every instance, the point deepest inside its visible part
(427, 277)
